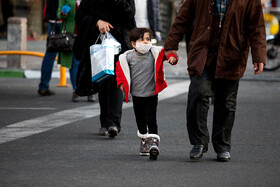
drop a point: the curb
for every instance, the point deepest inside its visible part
(36, 74)
(11, 73)
(28, 74)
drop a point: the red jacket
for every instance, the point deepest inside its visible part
(123, 71)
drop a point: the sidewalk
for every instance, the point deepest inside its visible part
(33, 64)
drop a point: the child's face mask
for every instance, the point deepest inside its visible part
(143, 48)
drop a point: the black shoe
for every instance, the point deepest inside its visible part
(45, 92)
(154, 152)
(91, 98)
(75, 97)
(197, 151)
(113, 131)
(223, 156)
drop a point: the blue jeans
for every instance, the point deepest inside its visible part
(48, 61)
(73, 72)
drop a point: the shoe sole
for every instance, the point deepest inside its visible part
(40, 94)
(223, 159)
(104, 134)
(144, 154)
(154, 152)
(91, 100)
(43, 95)
(48, 93)
(196, 158)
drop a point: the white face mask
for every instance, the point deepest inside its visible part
(143, 48)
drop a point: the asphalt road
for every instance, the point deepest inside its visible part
(50, 141)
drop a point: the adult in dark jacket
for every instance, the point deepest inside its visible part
(95, 17)
(222, 33)
(50, 9)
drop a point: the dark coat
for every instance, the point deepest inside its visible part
(50, 10)
(243, 27)
(120, 14)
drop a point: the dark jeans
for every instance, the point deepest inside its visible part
(110, 101)
(145, 110)
(225, 93)
(73, 72)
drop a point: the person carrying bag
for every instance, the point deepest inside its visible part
(66, 12)
(93, 18)
(61, 42)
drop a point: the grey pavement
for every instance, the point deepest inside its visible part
(73, 154)
(69, 151)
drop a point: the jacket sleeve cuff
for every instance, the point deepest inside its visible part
(172, 55)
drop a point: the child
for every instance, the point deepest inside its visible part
(140, 72)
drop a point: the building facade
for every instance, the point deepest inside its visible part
(31, 9)
(37, 29)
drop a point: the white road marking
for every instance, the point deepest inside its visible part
(36, 74)
(41, 124)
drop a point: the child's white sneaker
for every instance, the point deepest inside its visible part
(144, 149)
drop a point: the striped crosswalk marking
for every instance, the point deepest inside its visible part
(42, 124)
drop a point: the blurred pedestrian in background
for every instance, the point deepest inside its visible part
(147, 14)
(188, 33)
(223, 31)
(266, 3)
(7, 11)
(50, 11)
(95, 17)
(66, 12)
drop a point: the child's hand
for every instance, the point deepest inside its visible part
(171, 56)
(121, 87)
(172, 60)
